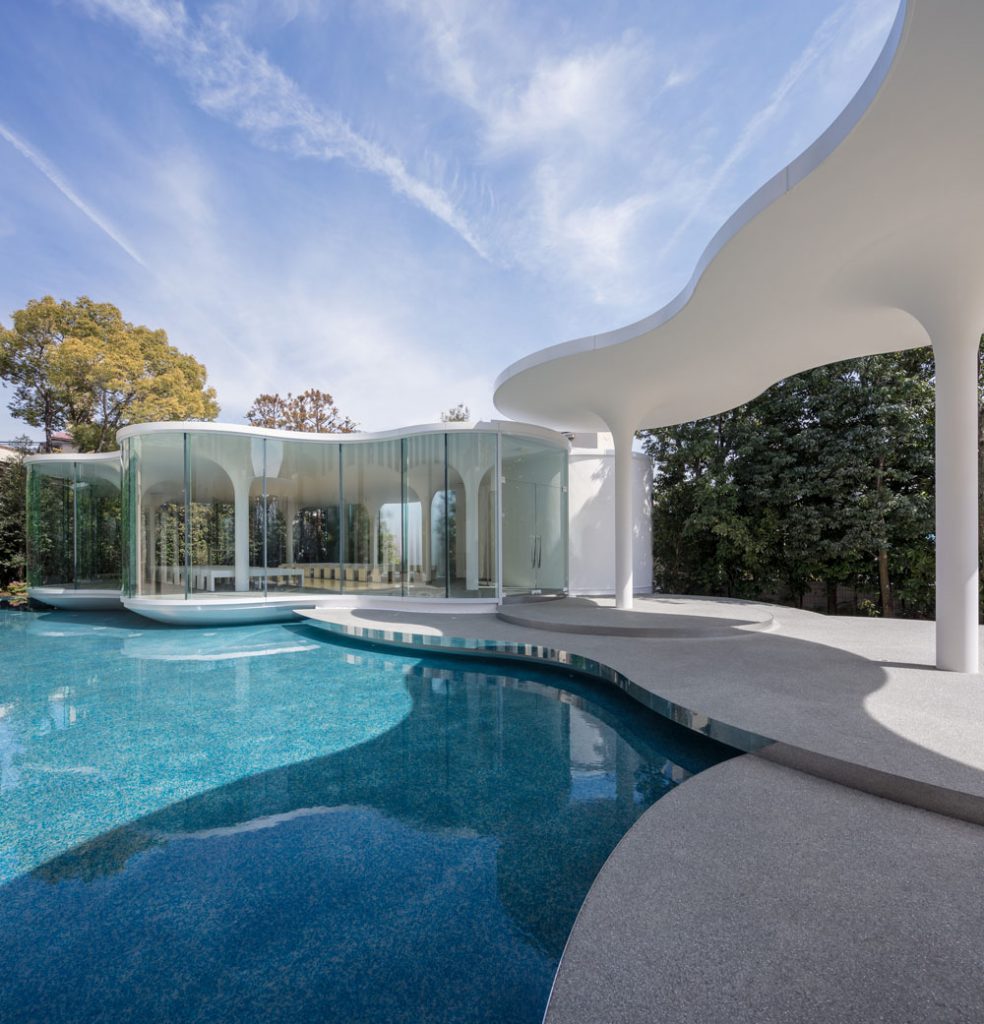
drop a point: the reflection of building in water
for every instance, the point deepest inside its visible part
(593, 749)
(62, 713)
(10, 749)
(553, 775)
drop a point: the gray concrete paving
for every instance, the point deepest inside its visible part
(689, 618)
(863, 691)
(754, 893)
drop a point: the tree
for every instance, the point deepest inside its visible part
(13, 489)
(827, 476)
(80, 365)
(310, 412)
(457, 414)
(26, 353)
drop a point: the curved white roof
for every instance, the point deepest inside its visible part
(871, 241)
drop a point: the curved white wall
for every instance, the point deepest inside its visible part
(591, 482)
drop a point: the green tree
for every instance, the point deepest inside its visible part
(13, 489)
(26, 352)
(310, 412)
(80, 365)
(826, 476)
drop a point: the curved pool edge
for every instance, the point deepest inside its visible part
(946, 801)
(551, 657)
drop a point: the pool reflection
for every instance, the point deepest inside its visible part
(430, 873)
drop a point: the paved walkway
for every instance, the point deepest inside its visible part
(754, 894)
(858, 692)
(757, 892)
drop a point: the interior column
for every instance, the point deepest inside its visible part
(241, 492)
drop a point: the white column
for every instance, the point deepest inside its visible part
(374, 540)
(471, 486)
(956, 505)
(241, 491)
(426, 497)
(289, 517)
(622, 439)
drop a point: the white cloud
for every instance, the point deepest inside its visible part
(588, 95)
(238, 84)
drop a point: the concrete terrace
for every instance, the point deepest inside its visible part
(828, 875)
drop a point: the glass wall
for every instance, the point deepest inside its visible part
(213, 514)
(73, 519)
(471, 515)
(98, 525)
(424, 505)
(372, 492)
(303, 520)
(156, 462)
(534, 517)
(225, 508)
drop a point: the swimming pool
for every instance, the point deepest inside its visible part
(259, 824)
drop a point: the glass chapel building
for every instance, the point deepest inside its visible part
(209, 523)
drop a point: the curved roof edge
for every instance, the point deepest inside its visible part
(209, 427)
(777, 186)
(74, 457)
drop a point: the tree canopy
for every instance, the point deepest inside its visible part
(459, 413)
(826, 477)
(79, 365)
(13, 488)
(310, 412)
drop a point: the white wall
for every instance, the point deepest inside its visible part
(591, 496)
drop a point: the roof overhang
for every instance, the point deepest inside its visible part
(871, 241)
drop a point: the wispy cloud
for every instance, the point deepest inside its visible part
(55, 177)
(847, 29)
(234, 82)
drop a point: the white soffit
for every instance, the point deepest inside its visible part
(871, 241)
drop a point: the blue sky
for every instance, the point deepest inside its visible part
(393, 199)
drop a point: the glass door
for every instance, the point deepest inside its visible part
(518, 537)
(550, 544)
(534, 517)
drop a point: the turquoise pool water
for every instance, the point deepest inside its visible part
(259, 824)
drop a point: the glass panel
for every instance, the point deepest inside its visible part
(50, 545)
(472, 559)
(225, 473)
(518, 535)
(424, 515)
(534, 517)
(372, 489)
(302, 516)
(156, 466)
(127, 522)
(97, 525)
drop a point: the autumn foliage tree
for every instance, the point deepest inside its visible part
(79, 365)
(310, 412)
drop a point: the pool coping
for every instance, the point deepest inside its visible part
(926, 796)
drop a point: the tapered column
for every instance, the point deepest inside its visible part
(425, 533)
(956, 505)
(623, 517)
(472, 482)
